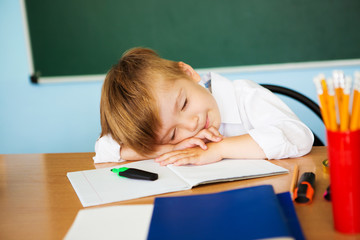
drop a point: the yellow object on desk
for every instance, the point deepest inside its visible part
(294, 180)
(325, 164)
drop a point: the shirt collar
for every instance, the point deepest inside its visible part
(223, 91)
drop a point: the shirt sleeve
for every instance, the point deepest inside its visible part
(272, 124)
(107, 150)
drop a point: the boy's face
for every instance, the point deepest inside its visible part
(185, 108)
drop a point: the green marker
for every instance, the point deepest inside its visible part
(134, 173)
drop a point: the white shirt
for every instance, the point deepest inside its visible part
(245, 108)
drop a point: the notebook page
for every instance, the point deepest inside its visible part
(226, 170)
(100, 186)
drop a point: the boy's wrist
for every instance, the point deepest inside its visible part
(216, 148)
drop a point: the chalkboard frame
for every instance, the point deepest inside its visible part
(203, 33)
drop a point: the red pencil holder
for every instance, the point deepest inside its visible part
(344, 160)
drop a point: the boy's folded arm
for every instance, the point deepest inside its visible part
(127, 153)
(284, 140)
(269, 142)
(277, 130)
(242, 146)
(108, 150)
(274, 126)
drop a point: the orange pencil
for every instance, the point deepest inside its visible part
(322, 100)
(355, 115)
(339, 82)
(357, 76)
(331, 106)
(324, 86)
(344, 107)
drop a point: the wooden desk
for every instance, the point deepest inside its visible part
(37, 200)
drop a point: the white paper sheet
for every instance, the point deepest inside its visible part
(116, 222)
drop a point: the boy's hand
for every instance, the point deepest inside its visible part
(210, 134)
(194, 155)
(206, 135)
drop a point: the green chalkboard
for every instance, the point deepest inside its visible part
(81, 37)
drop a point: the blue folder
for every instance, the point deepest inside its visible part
(247, 213)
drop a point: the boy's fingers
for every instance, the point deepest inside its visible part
(215, 131)
(191, 159)
(212, 137)
(183, 161)
(211, 134)
(175, 158)
(169, 155)
(197, 142)
(191, 142)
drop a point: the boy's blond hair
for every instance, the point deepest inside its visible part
(128, 107)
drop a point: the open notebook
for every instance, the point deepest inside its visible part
(100, 186)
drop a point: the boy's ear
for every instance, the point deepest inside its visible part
(190, 71)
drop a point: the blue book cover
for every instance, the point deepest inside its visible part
(247, 213)
(290, 215)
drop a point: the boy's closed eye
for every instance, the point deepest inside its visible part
(183, 108)
(173, 135)
(185, 104)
